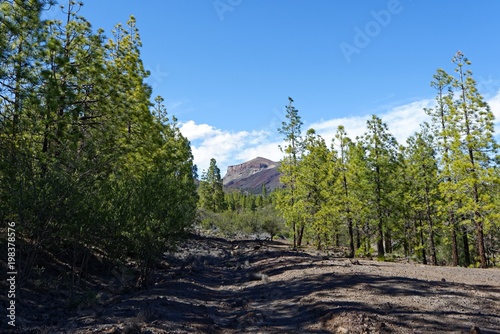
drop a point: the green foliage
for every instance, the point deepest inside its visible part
(464, 126)
(314, 178)
(364, 251)
(85, 156)
(418, 199)
(381, 161)
(211, 189)
(286, 199)
(271, 222)
(244, 223)
(421, 195)
(346, 193)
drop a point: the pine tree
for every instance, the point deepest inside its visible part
(472, 146)
(21, 43)
(464, 125)
(88, 161)
(422, 170)
(444, 128)
(346, 200)
(211, 189)
(287, 198)
(380, 147)
(361, 194)
(312, 188)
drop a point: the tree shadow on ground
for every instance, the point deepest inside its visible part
(212, 286)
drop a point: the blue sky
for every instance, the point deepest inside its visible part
(227, 67)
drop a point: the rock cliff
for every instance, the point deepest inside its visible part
(251, 175)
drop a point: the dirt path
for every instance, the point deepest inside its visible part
(218, 286)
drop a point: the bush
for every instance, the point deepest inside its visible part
(243, 223)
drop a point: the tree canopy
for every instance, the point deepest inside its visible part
(419, 198)
(87, 158)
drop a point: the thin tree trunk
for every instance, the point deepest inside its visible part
(422, 243)
(480, 245)
(380, 238)
(300, 234)
(358, 236)
(388, 242)
(432, 245)
(351, 239)
(479, 232)
(294, 229)
(349, 218)
(406, 244)
(477, 217)
(465, 242)
(431, 230)
(454, 244)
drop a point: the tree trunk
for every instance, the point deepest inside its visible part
(431, 230)
(422, 243)
(479, 232)
(318, 245)
(473, 173)
(380, 239)
(351, 239)
(480, 245)
(358, 237)
(366, 239)
(432, 246)
(405, 244)
(465, 241)
(300, 234)
(388, 242)
(454, 244)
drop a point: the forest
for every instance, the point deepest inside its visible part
(434, 199)
(91, 162)
(88, 160)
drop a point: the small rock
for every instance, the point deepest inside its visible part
(259, 277)
(342, 330)
(475, 330)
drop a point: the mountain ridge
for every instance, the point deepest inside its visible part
(252, 175)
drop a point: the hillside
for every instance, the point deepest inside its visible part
(251, 175)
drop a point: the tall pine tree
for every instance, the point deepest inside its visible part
(211, 189)
(287, 198)
(381, 158)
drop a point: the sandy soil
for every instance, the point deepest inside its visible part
(218, 286)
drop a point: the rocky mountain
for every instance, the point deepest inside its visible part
(251, 175)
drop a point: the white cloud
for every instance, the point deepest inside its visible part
(405, 120)
(226, 147)
(268, 150)
(402, 122)
(195, 131)
(494, 103)
(231, 148)
(354, 126)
